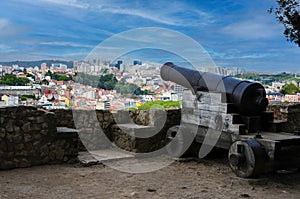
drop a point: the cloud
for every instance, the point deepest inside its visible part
(3, 23)
(256, 56)
(69, 56)
(11, 56)
(7, 29)
(177, 14)
(6, 48)
(69, 3)
(67, 44)
(180, 15)
(139, 13)
(252, 29)
(11, 32)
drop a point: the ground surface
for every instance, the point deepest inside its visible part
(209, 178)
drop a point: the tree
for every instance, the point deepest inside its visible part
(290, 89)
(69, 88)
(253, 76)
(288, 13)
(61, 77)
(30, 75)
(86, 79)
(45, 82)
(129, 88)
(107, 82)
(13, 80)
(58, 77)
(24, 97)
(49, 73)
(22, 81)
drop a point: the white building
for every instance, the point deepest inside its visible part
(10, 100)
(103, 105)
(277, 86)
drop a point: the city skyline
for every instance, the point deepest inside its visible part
(241, 34)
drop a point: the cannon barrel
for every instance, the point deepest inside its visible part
(248, 97)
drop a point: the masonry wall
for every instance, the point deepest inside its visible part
(96, 126)
(28, 137)
(288, 112)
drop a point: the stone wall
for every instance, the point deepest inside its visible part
(99, 129)
(28, 137)
(288, 112)
(157, 122)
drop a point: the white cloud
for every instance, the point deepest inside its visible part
(140, 13)
(162, 15)
(7, 29)
(67, 44)
(6, 48)
(256, 56)
(3, 23)
(171, 16)
(252, 29)
(69, 3)
(74, 56)
(237, 54)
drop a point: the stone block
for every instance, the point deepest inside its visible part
(59, 154)
(36, 136)
(17, 129)
(3, 146)
(44, 151)
(19, 147)
(6, 164)
(27, 138)
(40, 119)
(2, 133)
(26, 127)
(9, 126)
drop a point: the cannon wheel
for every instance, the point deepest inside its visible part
(247, 158)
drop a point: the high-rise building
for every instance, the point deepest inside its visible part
(76, 64)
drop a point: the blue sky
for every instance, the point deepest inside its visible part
(235, 33)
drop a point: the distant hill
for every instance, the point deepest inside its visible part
(27, 64)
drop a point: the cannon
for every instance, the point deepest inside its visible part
(248, 97)
(235, 111)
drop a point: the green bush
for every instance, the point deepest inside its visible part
(159, 104)
(289, 89)
(13, 80)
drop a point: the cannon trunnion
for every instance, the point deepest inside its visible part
(233, 113)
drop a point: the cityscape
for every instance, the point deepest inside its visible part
(58, 86)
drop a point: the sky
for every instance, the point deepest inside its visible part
(234, 33)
